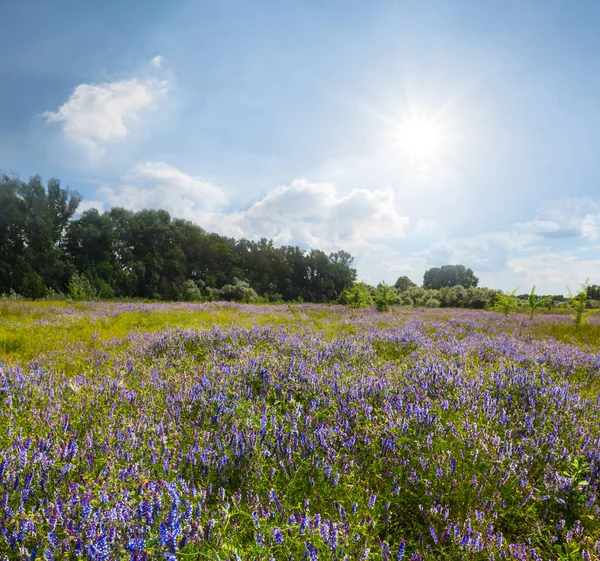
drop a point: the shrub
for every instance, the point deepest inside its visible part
(103, 289)
(81, 288)
(505, 303)
(54, 295)
(33, 286)
(11, 295)
(534, 301)
(578, 304)
(190, 291)
(239, 291)
(357, 297)
(432, 302)
(382, 299)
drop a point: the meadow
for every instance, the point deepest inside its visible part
(297, 432)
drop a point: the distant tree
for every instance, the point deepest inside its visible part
(147, 254)
(33, 286)
(383, 301)
(403, 283)
(238, 291)
(593, 292)
(449, 275)
(191, 292)
(578, 305)
(506, 302)
(12, 242)
(534, 301)
(33, 220)
(356, 297)
(81, 288)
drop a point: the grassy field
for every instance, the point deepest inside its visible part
(227, 432)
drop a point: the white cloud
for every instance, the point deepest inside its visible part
(88, 205)
(315, 215)
(515, 257)
(552, 272)
(567, 217)
(488, 251)
(312, 215)
(160, 185)
(98, 114)
(157, 61)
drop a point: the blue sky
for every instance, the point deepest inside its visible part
(412, 134)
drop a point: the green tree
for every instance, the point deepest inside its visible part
(593, 292)
(33, 286)
(12, 237)
(147, 253)
(383, 300)
(81, 288)
(449, 275)
(33, 220)
(403, 283)
(356, 297)
(578, 305)
(238, 291)
(534, 301)
(506, 302)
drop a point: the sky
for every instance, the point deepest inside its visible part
(412, 134)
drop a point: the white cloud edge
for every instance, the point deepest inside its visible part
(97, 115)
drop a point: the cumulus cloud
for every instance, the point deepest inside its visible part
(567, 217)
(304, 213)
(316, 215)
(98, 114)
(526, 254)
(159, 185)
(488, 251)
(88, 205)
(554, 271)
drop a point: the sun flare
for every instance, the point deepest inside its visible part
(420, 138)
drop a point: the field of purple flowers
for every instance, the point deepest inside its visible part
(295, 433)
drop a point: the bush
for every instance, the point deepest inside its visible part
(33, 286)
(239, 291)
(103, 289)
(386, 297)
(11, 295)
(431, 302)
(580, 311)
(480, 298)
(357, 297)
(81, 288)
(505, 302)
(54, 295)
(190, 291)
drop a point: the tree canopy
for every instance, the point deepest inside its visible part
(449, 275)
(147, 254)
(403, 283)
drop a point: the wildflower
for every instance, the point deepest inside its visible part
(401, 550)
(372, 500)
(277, 535)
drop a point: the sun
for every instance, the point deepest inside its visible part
(421, 138)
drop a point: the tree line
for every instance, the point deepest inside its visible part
(46, 249)
(49, 251)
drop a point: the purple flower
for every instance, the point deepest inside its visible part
(401, 550)
(277, 535)
(372, 500)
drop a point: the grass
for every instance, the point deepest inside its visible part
(229, 432)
